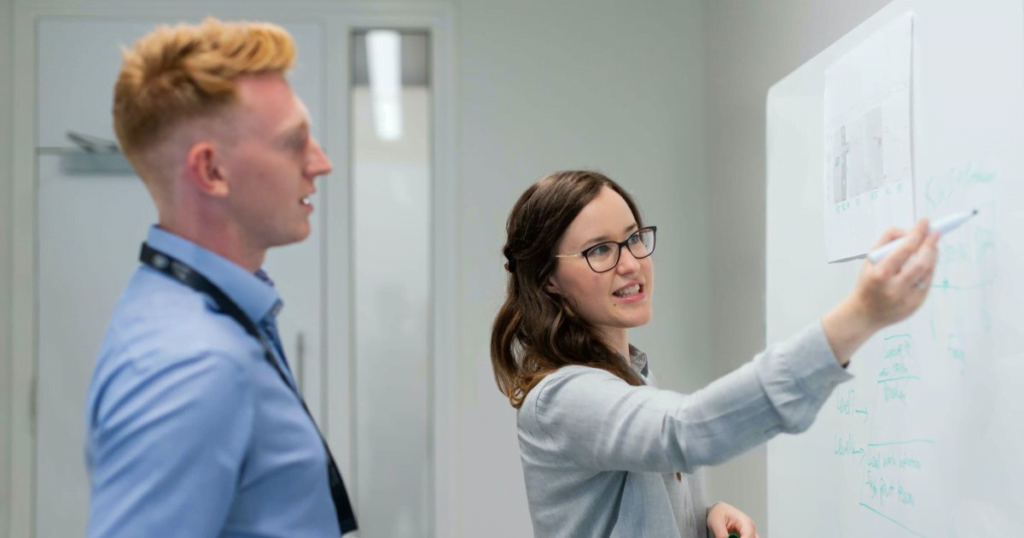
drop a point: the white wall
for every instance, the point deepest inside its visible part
(552, 85)
(751, 45)
(6, 68)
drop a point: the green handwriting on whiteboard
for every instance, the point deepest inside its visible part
(897, 522)
(939, 189)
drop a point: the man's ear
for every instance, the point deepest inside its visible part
(205, 171)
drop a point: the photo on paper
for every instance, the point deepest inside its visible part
(857, 153)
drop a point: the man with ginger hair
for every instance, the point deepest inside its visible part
(195, 427)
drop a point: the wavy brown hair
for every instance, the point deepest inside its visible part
(537, 331)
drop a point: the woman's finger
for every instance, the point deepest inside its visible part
(889, 234)
(911, 274)
(898, 257)
(923, 262)
(718, 527)
(926, 282)
(746, 528)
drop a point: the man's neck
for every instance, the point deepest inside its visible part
(220, 239)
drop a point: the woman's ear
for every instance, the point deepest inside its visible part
(552, 286)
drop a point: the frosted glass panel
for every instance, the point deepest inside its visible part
(392, 260)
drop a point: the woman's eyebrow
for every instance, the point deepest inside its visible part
(604, 238)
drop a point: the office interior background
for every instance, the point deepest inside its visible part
(437, 115)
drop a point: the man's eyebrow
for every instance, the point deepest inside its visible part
(299, 128)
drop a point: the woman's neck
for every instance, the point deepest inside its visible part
(618, 339)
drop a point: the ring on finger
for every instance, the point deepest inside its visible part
(921, 284)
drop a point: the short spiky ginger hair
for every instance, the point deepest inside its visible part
(179, 73)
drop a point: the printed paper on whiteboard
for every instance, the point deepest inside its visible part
(868, 170)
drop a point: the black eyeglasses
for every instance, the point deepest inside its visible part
(603, 257)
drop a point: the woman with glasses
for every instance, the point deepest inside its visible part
(604, 452)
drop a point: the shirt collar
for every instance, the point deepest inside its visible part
(638, 360)
(253, 293)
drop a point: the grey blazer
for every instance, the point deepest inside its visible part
(600, 456)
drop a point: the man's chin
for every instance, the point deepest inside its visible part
(297, 237)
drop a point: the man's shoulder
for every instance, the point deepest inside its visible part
(165, 338)
(159, 320)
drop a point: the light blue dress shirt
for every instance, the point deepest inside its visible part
(191, 432)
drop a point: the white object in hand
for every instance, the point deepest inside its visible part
(943, 227)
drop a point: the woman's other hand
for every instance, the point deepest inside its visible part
(724, 519)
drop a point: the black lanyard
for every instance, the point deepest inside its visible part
(188, 276)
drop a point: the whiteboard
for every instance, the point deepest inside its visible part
(925, 441)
